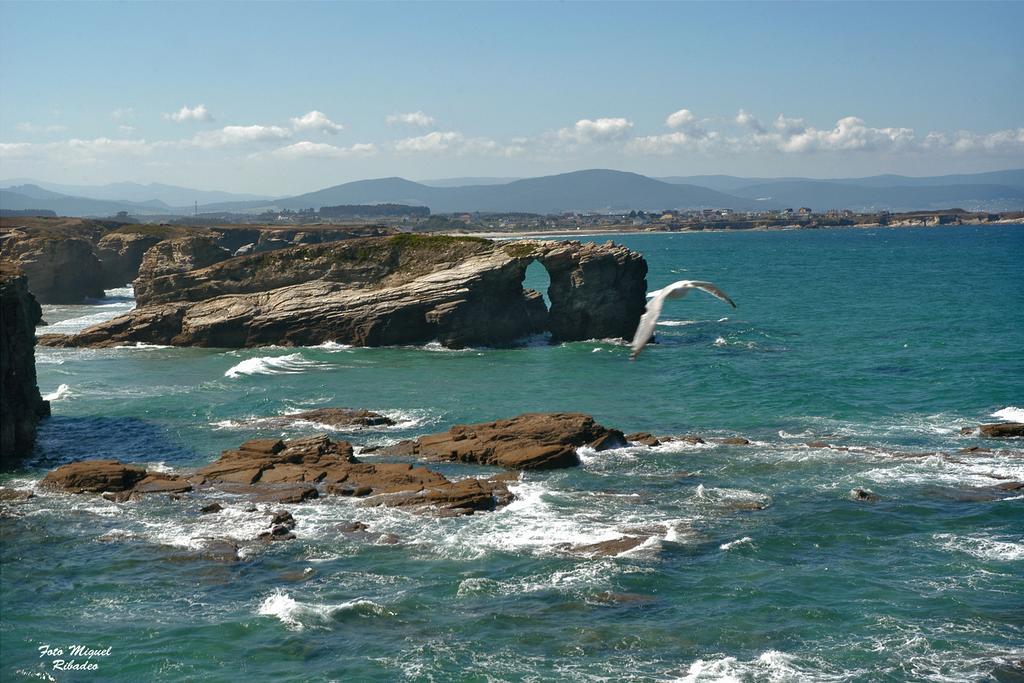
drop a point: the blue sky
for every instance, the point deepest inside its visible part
(298, 96)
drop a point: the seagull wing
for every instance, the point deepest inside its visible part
(679, 289)
(645, 330)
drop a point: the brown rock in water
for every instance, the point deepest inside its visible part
(1002, 430)
(94, 476)
(609, 548)
(218, 550)
(292, 472)
(337, 417)
(816, 444)
(974, 449)
(685, 438)
(532, 441)
(21, 406)
(402, 289)
(14, 495)
(643, 438)
(286, 495)
(735, 441)
(162, 483)
(863, 495)
(211, 508)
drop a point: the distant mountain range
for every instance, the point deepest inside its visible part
(595, 190)
(581, 191)
(169, 195)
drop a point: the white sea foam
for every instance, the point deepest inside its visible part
(771, 665)
(720, 341)
(332, 346)
(1010, 414)
(143, 345)
(982, 547)
(73, 325)
(298, 615)
(291, 364)
(728, 497)
(739, 541)
(62, 392)
(404, 420)
(677, 323)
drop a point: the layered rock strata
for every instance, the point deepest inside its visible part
(404, 289)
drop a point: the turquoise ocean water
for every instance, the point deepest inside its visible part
(885, 341)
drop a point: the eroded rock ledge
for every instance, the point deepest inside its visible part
(404, 289)
(274, 471)
(531, 441)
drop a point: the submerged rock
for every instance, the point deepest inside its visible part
(608, 548)
(864, 495)
(1001, 430)
(334, 417)
(21, 406)
(644, 438)
(403, 289)
(532, 441)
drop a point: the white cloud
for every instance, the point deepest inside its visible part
(238, 135)
(17, 150)
(305, 149)
(186, 113)
(596, 131)
(437, 141)
(77, 150)
(789, 127)
(453, 142)
(670, 143)
(681, 119)
(317, 121)
(850, 133)
(41, 128)
(965, 141)
(748, 120)
(415, 118)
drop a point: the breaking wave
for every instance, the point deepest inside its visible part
(1010, 414)
(299, 615)
(291, 364)
(62, 392)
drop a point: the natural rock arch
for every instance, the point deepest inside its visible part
(405, 289)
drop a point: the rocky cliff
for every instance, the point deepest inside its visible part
(67, 260)
(21, 406)
(60, 269)
(173, 256)
(404, 289)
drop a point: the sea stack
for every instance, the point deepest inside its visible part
(21, 406)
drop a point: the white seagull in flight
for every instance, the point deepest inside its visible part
(676, 290)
